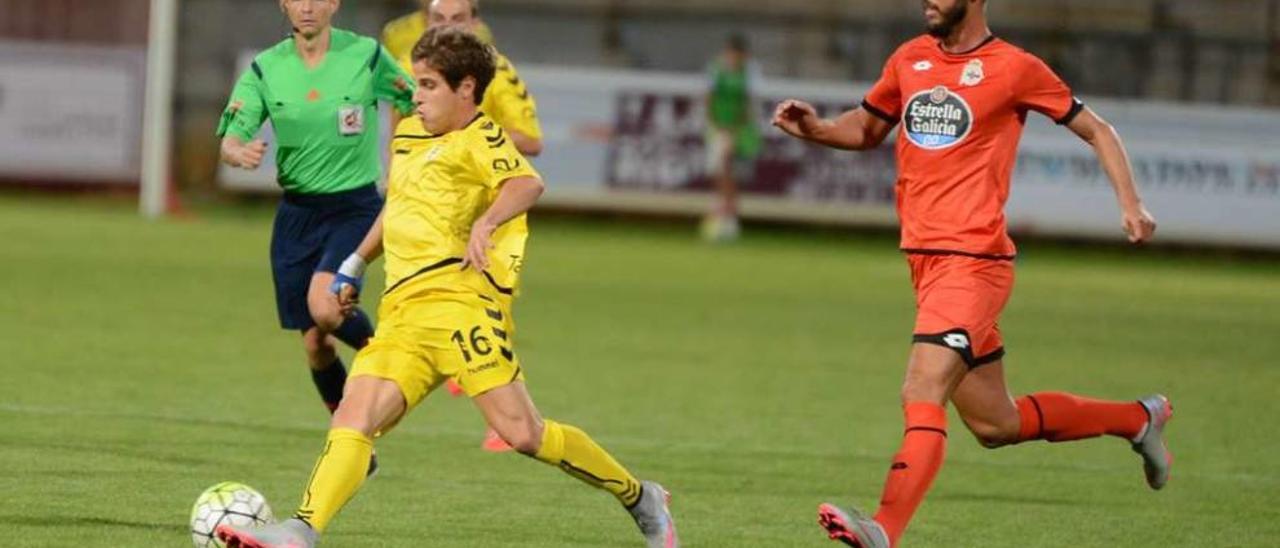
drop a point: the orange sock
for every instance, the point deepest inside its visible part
(1058, 416)
(923, 448)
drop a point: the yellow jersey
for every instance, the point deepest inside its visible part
(439, 186)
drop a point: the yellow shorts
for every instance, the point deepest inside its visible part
(422, 341)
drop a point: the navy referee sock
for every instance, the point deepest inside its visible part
(329, 382)
(356, 330)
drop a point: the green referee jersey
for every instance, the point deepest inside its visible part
(325, 118)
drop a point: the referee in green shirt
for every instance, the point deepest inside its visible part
(320, 88)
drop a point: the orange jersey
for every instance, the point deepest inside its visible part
(962, 115)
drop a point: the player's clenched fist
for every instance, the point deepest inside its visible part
(347, 282)
(797, 118)
(1139, 225)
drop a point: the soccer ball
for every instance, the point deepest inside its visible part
(226, 503)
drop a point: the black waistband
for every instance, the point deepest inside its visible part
(331, 198)
(911, 251)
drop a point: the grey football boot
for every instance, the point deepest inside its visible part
(653, 516)
(1156, 458)
(291, 533)
(852, 528)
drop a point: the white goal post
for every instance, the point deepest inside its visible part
(157, 124)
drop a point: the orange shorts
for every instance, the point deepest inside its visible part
(958, 303)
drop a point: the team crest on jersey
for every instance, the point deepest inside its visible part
(936, 118)
(972, 74)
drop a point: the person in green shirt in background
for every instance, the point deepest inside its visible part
(320, 88)
(733, 136)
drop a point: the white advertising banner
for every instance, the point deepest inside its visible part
(1199, 193)
(70, 113)
(634, 141)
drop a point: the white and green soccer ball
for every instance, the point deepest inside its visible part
(227, 503)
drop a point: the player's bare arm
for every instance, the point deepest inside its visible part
(371, 247)
(856, 129)
(516, 197)
(1137, 222)
(353, 267)
(528, 146)
(237, 153)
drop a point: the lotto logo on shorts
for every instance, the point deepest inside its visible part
(956, 340)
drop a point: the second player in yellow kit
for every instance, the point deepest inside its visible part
(401, 33)
(507, 100)
(453, 233)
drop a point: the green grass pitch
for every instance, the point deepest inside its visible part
(142, 363)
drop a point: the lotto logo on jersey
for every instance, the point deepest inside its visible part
(937, 118)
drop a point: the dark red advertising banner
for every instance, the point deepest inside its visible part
(659, 145)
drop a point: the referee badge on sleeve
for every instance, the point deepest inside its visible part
(350, 120)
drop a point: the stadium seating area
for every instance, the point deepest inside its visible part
(1165, 49)
(1184, 50)
(1225, 52)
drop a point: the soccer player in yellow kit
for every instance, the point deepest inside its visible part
(400, 35)
(453, 232)
(507, 101)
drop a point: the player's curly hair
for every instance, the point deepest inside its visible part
(457, 54)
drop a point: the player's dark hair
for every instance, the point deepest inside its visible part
(738, 42)
(456, 54)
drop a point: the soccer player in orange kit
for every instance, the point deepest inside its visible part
(962, 97)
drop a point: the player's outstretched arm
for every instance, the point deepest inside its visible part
(526, 144)
(349, 278)
(1138, 223)
(371, 247)
(237, 153)
(518, 194)
(856, 129)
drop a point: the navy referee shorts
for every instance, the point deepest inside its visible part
(315, 233)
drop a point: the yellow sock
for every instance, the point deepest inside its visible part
(578, 455)
(338, 474)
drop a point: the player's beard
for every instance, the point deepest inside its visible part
(950, 20)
